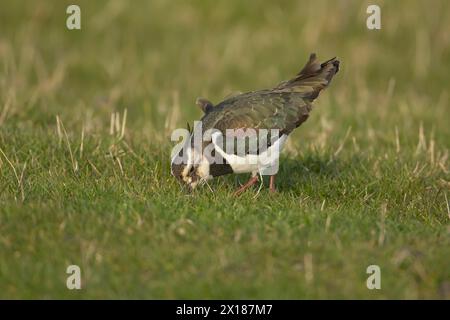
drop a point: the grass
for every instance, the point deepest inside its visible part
(364, 181)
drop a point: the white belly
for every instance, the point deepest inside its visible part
(265, 163)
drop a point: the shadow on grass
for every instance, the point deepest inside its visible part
(297, 171)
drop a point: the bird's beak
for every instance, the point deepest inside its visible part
(186, 188)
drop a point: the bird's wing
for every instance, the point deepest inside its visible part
(258, 110)
(284, 107)
(313, 78)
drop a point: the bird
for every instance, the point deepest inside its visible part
(275, 112)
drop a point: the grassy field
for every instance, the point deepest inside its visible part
(85, 123)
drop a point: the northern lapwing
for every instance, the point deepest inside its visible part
(276, 112)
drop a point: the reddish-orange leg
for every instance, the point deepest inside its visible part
(249, 183)
(272, 184)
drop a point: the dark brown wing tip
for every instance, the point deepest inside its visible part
(310, 66)
(336, 64)
(334, 61)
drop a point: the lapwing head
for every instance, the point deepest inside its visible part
(189, 165)
(191, 170)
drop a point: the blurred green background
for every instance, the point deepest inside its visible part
(364, 181)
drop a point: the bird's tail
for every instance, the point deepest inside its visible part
(312, 79)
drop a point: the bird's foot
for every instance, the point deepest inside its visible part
(249, 183)
(272, 188)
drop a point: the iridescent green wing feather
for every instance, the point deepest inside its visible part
(259, 110)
